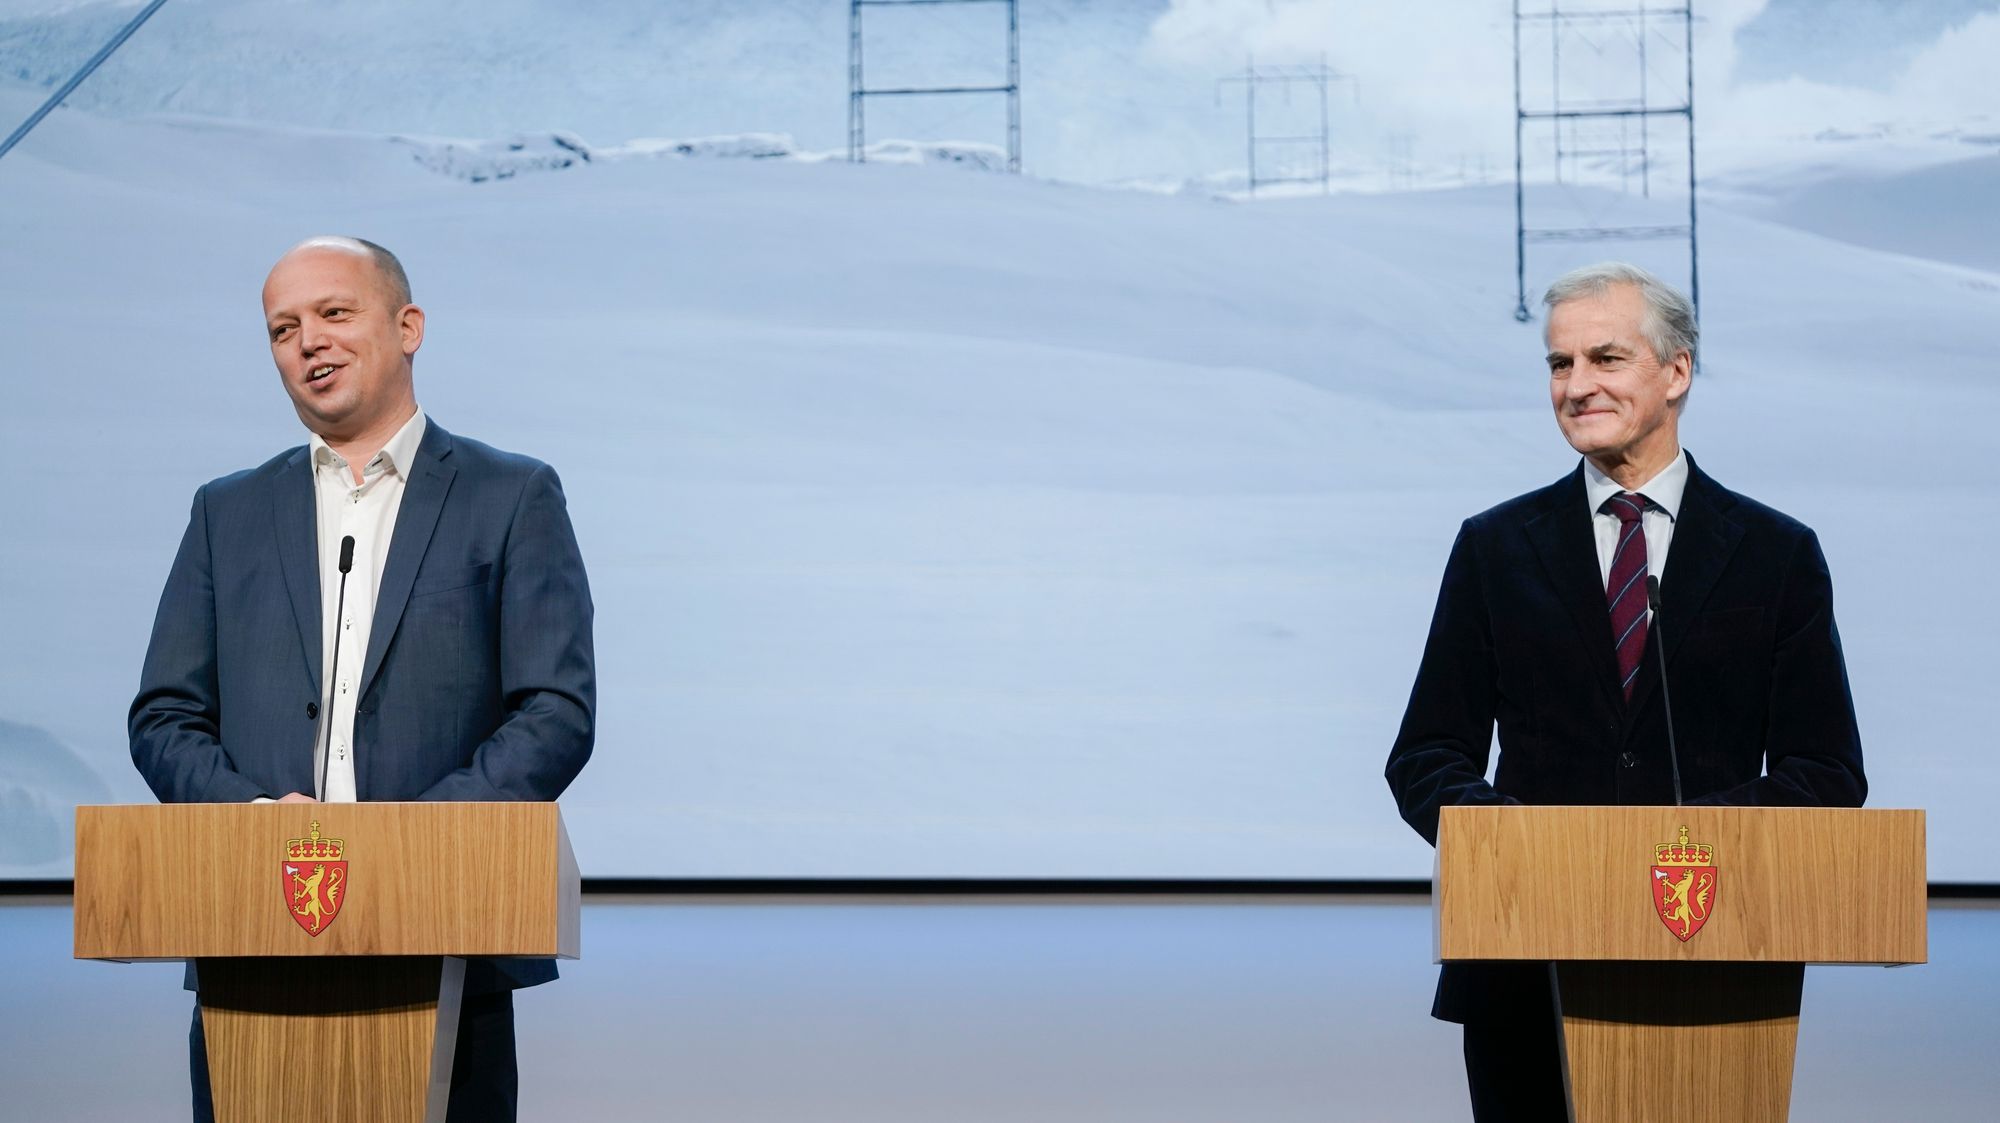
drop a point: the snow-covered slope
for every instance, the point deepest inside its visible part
(612, 70)
(947, 523)
(1111, 90)
(1922, 210)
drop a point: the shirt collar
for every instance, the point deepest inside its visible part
(1663, 491)
(396, 456)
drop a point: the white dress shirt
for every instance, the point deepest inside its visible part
(368, 512)
(1663, 506)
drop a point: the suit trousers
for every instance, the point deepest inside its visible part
(485, 1082)
(1513, 1065)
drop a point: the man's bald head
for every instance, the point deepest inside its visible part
(389, 270)
(344, 335)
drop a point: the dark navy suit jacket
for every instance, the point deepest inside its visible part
(1522, 639)
(479, 682)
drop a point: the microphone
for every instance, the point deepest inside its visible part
(339, 610)
(1666, 699)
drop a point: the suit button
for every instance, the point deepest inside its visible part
(312, 711)
(1628, 760)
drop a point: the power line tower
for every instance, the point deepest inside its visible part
(1589, 26)
(858, 92)
(1316, 160)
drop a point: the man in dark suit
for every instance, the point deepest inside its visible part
(1542, 627)
(461, 632)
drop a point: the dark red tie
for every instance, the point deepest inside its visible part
(1625, 589)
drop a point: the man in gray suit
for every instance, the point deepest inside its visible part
(458, 639)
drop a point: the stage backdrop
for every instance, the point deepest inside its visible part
(943, 522)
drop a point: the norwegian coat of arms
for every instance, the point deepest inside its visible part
(315, 880)
(1684, 885)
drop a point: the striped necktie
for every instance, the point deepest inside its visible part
(1625, 589)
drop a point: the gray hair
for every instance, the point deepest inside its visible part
(1669, 325)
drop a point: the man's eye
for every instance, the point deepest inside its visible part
(335, 313)
(280, 333)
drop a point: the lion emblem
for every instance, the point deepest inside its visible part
(1684, 900)
(315, 895)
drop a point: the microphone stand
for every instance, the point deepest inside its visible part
(325, 742)
(1666, 699)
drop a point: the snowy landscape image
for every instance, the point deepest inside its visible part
(947, 522)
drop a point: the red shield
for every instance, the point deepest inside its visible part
(314, 890)
(1683, 897)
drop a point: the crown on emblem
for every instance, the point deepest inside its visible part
(1685, 853)
(314, 847)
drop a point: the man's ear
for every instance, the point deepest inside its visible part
(410, 321)
(1680, 378)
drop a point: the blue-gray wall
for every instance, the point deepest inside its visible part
(970, 1012)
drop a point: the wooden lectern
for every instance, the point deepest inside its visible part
(330, 939)
(1678, 936)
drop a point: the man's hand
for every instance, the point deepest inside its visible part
(294, 797)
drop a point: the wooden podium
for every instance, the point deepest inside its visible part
(330, 939)
(1678, 936)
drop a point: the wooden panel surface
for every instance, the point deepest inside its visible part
(184, 881)
(330, 1040)
(1673, 1042)
(1794, 884)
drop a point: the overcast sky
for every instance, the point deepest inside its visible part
(1789, 64)
(1111, 88)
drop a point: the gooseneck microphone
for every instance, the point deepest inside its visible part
(339, 611)
(1666, 699)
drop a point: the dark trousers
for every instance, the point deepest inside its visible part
(484, 1081)
(1513, 1066)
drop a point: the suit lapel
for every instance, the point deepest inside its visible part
(295, 524)
(1704, 539)
(1564, 541)
(423, 499)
